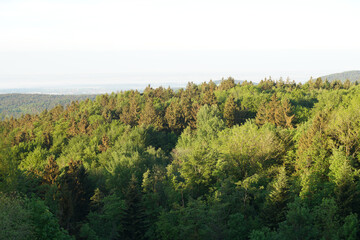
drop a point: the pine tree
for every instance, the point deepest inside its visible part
(285, 118)
(174, 116)
(134, 215)
(209, 97)
(83, 124)
(72, 129)
(105, 143)
(276, 201)
(318, 83)
(189, 110)
(317, 128)
(275, 112)
(149, 116)
(230, 110)
(74, 195)
(227, 84)
(347, 84)
(47, 139)
(51, 171)
(131, 111)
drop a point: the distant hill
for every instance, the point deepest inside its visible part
(17, 104)
(353, 76)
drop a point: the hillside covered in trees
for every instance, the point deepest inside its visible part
(277, 160)
(352, 76)
(15, 105)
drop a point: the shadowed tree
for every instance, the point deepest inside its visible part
(134, 214)
(230, 111)
(51, 171)
(74, 196)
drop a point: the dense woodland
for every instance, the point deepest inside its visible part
(353, 76)
(15, 104)
(276, 160)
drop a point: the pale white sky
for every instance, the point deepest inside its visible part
(199, 39)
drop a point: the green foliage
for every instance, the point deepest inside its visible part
(209, 122)
(277, 160)
(341, 171)
(105, 220)
(247, 149)
(15, 105)
(349, 75)
(299, 223)
(15, 220)
(350, 229)
(45, 223)
(28, 219)
(230, 111)
(35, 160)
(196, 221)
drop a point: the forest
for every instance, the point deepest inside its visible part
(275, 160)
(15, 104)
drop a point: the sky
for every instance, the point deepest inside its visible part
(79, 42)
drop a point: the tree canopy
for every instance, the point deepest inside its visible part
(277, 160)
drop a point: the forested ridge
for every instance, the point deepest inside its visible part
(15, 104)
(351, 76)
(276, 160)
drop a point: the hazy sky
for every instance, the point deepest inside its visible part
(77, 41)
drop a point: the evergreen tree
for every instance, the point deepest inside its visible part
(174, 116)
(74, 196)
(51, 171)
(149, 116)
(275, 112)
(134, 215)
(105, 143)
(226, 84)
(83, 124)
(209, 97)
(130, 112)
(230, 111)
(347, 84)
(189, 110)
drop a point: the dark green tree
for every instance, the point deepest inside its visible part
(230, 111)
(74, 196)
(134, 214)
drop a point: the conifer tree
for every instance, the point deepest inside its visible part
(149, 116)
(51, 171)
(131, 111)
(275, 204)
(174, 116)
(275, 112)
(347, 84)
(318, 83)
(72, 130)
(227, 84)
(134, 215)
(230, 111)
(47, 139)
(74, 195)
(105, 143)
(83, 124)
(134, 109)
(189, 110)
(209, 97)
